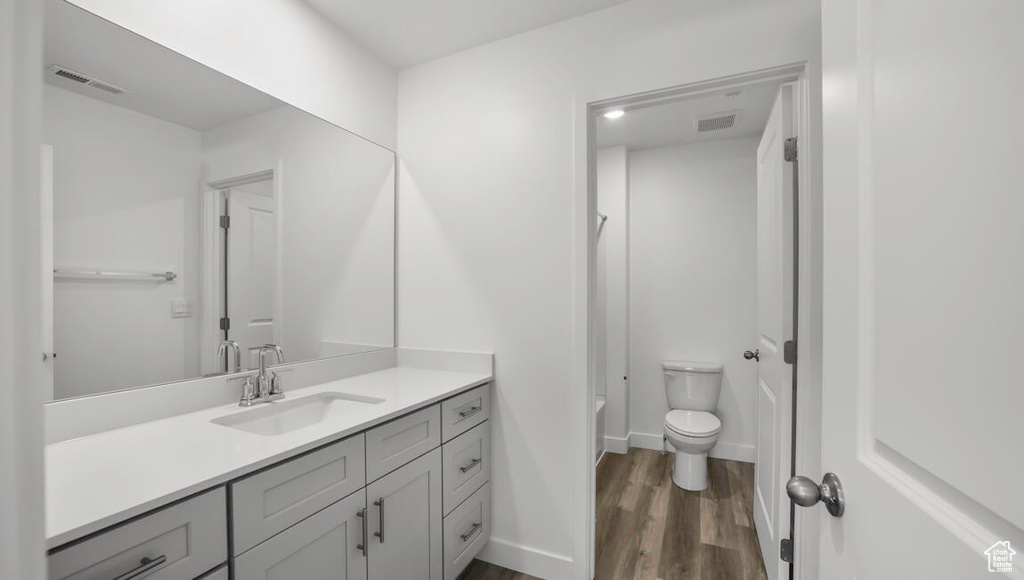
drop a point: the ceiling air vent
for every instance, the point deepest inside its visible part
(716, 121)
(68, 74)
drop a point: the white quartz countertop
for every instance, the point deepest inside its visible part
(95, 481)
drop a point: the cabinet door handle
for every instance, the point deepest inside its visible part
(380, 504)
(465, 537)
(362, 517)
(470, 412)
(145, 565)
(470, 465)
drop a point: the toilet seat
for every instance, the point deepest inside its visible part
(693, 423)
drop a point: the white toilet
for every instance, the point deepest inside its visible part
(691, 426)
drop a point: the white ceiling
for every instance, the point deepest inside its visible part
(409, 32)
(668, 124)
(161, 82)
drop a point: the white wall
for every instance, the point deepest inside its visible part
(281, 47)
(22, 371)
(490, 249)
(611, 310)
(125, 199)
(693, 280)
(336, 226)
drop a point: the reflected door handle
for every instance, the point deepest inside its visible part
(752, 355)
(805, 493)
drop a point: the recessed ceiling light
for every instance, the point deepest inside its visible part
(614, 114)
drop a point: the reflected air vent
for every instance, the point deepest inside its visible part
(716, 121)
(59, 71)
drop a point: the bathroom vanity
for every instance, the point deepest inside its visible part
(193, 234)
(381, 475)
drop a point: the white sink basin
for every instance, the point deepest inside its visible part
(280, 417)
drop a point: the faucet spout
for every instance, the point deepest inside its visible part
(263, 382)
(223, 349)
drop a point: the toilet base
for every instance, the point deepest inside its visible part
(690, 471)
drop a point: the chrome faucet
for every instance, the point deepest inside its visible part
(223, 349)
(267, 388)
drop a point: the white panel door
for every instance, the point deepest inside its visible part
(775, 327)
(923, 395)
(252, 272)
(405, 522)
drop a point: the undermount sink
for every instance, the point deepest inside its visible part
(285, 416)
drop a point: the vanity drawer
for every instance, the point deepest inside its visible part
(466, 462)
(394, 444)
(463, 412)
(271, 501)
(466, 531)
(181, 541)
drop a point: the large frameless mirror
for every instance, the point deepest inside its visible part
(185, 212)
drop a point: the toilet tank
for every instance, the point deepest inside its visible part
(692, 386)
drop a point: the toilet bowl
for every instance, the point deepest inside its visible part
(692, 434)
(691, 427)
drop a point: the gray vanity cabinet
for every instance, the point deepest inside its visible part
(405, 522)
(408, 499)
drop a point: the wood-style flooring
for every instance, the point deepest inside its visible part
(649, 529)
(478, 570)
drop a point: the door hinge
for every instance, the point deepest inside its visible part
(225, 222)
(789, 150)
(786, 550)
(225, 323)
(789, 352)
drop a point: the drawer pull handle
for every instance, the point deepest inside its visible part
(465, 537)
(362, 517)
(470, 465)
(471, 412)
(145, 565)
(380, 504)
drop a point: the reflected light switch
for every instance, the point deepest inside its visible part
(181, 308)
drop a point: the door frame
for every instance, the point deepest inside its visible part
(211, 275)
(807, 458)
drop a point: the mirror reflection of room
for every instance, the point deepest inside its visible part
(191, 213)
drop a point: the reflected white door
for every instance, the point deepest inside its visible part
(775, 327)
(46, 247)
(251, 272)
(923, 394)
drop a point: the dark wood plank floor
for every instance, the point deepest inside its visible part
(649, 529)
(478, 570)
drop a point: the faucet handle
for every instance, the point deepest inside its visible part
(248, 389)
(277, 381)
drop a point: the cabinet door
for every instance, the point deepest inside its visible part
(405, 522)
(328, 544)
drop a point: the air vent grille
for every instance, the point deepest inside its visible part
(64, 73)
(716, 121)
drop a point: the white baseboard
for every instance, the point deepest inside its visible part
(616, 444)
(721, 450)
(526, 559)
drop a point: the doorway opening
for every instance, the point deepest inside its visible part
(241, 268)
(694, 262)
